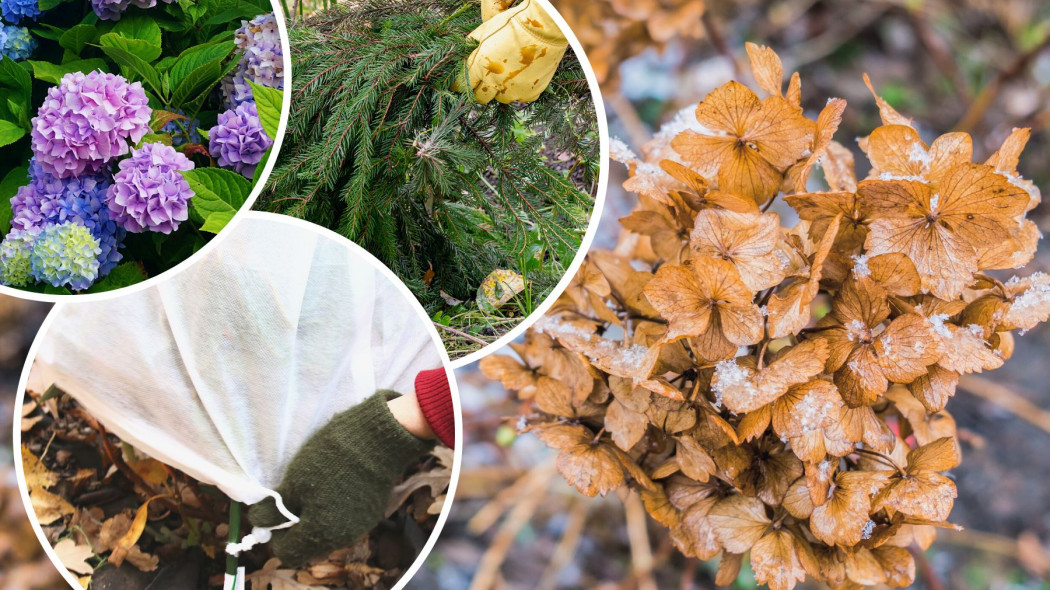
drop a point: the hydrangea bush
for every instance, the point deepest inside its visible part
(767, 358)
(130, 133)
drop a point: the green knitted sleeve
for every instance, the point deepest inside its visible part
(340, 481)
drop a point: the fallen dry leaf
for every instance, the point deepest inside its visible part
(74, 557)
(271, 577)
(437, 479)
(49, 507)
(498, 288)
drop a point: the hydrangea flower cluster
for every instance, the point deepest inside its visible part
(183, 131)
(65, 254)
(112, 10)
(15, 269)
(781, 391)
(16, 43)
(48, 201)
(87, 121)
(14, 11)
(239, 141)
(84, 125)
(148, 193)
(262, 61)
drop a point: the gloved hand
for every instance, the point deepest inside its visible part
(519, 52)
(340, 481)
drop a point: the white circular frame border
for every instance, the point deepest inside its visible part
(596, 212)
(354, 249)
(257, 188)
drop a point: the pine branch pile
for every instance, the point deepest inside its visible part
(381, 149)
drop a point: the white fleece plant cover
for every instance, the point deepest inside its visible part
(226, 369)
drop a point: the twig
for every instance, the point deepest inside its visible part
(628, 116)
(462, 334)
(986, 97)
(566, 548)
(638, 534)
(486, 517)
(929, 577)
(1007, 399)
(829, 42)
(714, 33)
(489, 567)
(688, 573)
(941, 54)
(980, 540)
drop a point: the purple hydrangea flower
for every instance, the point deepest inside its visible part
(65, 255)
(259, 42)
(48, 201)
(112, 10)
(239, 141)
(16, 42)
(86, 122)
(14, 11)
(148, 193)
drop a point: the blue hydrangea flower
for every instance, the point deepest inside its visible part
(16, 42)
(14, 11)
(48, 200)
(15, 269)
(175, 129)
(262, 61)
(65, 255)
(112, 10)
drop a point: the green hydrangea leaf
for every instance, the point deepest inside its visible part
(10, 133)
(123, 275)
(142, 28)
(196, 57)
(269, 103)
(8, 187)
(52, 73)
(218, 195)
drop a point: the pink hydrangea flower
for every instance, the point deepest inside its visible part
(87, 121)
(148, 193)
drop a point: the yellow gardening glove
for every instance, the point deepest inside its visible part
(520, 49)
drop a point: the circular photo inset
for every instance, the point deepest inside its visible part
(280, 411)
(461, 143)
(132, 133)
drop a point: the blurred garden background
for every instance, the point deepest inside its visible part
(981, 66)
(23, 564)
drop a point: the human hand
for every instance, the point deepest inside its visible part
(340, 481)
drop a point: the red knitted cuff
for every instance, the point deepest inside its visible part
(435, 398)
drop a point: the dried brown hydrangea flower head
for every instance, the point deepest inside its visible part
(612, 31)
(780, 391)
